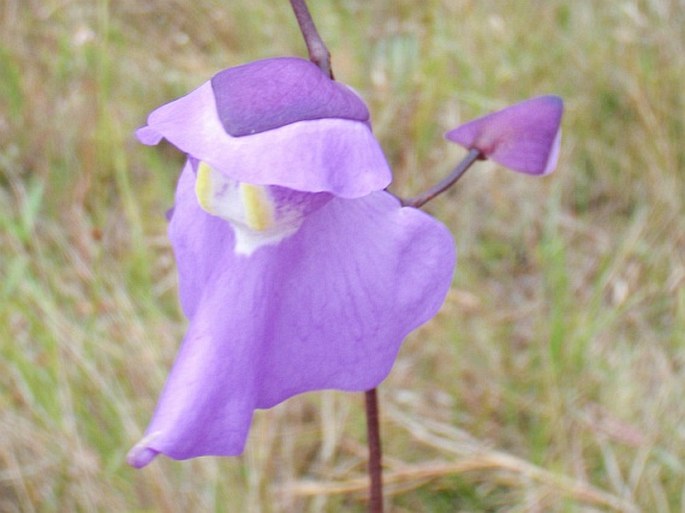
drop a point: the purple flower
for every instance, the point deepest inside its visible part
(296, 270)
(524, 137)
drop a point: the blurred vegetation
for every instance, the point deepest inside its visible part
(551, 381)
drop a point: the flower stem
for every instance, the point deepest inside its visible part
(374, 442)
(445, 183)
(318, 53)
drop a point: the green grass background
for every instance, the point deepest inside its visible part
(553, 378)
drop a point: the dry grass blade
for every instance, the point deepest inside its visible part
(473, 456)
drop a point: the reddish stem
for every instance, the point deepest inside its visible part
(318, 53)
(445, 183)
(375, 452)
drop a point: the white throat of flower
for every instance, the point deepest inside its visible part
(256, 217)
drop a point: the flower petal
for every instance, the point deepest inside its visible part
(271, 93)
(524, 137)
(326, 308)
(340, 156)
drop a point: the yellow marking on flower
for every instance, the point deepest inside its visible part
(203, 186)
(259, 210)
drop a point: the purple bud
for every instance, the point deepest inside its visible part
(524, 137)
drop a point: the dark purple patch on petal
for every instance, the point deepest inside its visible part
(271, 93)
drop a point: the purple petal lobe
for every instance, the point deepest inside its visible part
(148, 136)
(327, 308)
(141, 455)
(339, 156)
(271, 93)
(524, 137)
